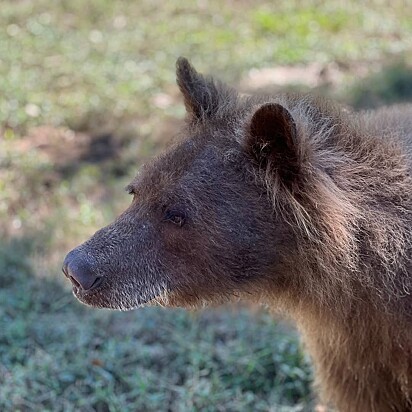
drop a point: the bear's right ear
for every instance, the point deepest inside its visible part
(272, 141)
(202, 95)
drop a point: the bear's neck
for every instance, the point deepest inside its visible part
(363, 361)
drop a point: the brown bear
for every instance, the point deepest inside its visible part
(287, 200)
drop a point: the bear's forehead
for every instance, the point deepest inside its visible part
(188, 163)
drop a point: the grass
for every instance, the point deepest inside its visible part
(87, 95)
(63, 59)
(57, 355)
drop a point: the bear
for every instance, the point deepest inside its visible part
(287, 200)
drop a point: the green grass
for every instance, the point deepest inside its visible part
(88, 94)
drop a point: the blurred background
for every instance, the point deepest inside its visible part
(87, 94)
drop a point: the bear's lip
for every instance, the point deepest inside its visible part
(86, 297)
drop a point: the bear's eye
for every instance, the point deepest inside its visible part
(177, 218)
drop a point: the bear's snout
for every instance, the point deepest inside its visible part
(80, 272)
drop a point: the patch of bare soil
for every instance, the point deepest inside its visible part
(312, 75)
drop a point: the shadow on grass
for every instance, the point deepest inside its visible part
(393, 84)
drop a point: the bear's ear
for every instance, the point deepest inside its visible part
(202, 95)
(272, 141)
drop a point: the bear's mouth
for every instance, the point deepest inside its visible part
(101, 297)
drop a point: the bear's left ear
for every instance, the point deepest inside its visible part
(272, 141)
(203, 96)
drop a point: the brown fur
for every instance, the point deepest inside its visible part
(290, 201)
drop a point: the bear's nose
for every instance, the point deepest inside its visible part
(80, 273)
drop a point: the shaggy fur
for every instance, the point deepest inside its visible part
(287, 200)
